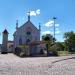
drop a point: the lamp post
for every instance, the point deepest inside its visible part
(54, 18)
(40, 29)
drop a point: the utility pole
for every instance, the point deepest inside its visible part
(40, 30)
(54, 18)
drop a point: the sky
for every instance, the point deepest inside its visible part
(41, 11)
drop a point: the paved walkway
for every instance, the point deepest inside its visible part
(13, 65)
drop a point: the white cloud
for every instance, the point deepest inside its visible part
(38, 11)
(34, 13)
(49, 23)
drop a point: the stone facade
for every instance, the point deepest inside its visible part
(26, 34)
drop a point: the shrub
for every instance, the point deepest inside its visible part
(53, 51)
(22, 50)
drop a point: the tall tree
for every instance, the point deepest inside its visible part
(70, 41)
(49, 39)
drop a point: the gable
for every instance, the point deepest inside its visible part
(28, 26)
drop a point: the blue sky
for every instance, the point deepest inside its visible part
(64, 10)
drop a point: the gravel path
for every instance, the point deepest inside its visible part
(13, 65)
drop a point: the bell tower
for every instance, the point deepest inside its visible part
(4, 42)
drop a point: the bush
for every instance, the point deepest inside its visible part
(53, 51)
(22, 51)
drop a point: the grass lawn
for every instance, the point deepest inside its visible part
(63, 53)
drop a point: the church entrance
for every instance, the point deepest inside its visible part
(33, 50)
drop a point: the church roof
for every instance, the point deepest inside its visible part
(5, 31)
(26, 24)
(29, 22)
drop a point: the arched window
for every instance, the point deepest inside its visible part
(20, 41)
(28, 33)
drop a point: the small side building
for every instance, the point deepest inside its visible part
(6, 46)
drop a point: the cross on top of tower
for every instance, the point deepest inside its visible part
(16, 24)
(39, 26)
(29, 16)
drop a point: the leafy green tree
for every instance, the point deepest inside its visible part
(70, 41)
(47, 37)
(49, 40)
(52, 47)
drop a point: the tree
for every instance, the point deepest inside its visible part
(70, 41)
(52, 47)
(49, 39)
(59, 46)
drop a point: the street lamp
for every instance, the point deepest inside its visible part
(54, 18)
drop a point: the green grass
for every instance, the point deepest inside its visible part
(63, 53)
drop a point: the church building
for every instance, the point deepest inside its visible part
(27, 34)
